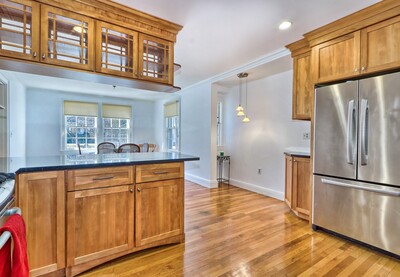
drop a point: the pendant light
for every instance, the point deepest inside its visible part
(239, 109)
(246, 119)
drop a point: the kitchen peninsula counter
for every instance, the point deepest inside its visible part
(83, 210)
(76, 161)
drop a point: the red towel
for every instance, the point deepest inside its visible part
(16, 226)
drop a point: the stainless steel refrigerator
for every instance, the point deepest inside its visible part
(356, 162)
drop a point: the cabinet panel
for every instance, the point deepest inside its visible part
(116, 50)
(301, 186)
(41, 197)
(67, 38)
(19, 32)
(156, 59)
(100, 223)
(288, 180)
(337, 59)
(302, 87)
(159, 210)
(380, 46)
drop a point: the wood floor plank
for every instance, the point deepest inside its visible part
(234, 232)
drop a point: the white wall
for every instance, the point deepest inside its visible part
(44, 119)
(17, 115)
(260, 143)
(196, 139)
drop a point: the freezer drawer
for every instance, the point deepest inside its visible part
(365, 212)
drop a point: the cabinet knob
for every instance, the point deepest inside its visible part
(136, 74)
(355, 69)
(138, 189)
(131, 190)
(34, 54)
(363, 68)
(43, 56)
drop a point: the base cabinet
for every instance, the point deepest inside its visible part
(78, 219)
(41, 197)
(298, 185)
(99, 222)
(159, 211)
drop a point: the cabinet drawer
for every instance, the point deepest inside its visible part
(155, 172)
(99, 177)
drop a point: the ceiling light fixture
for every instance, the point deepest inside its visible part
(246, 119)
(79, 29)
(285, 25)
(239, 109)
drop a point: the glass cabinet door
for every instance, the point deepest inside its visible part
(116, 50)
(156, 59)
(67, 38)
(19, 29)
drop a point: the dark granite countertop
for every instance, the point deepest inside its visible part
(76, 161)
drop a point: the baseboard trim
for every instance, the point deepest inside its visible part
(201, 181)
(261, 190)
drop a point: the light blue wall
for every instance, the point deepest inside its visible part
(44, 119)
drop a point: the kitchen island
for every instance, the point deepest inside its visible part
(83, 210)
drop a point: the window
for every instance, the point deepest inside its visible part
(80, 121)
(116, 123)
(219, 124)
(171, 115)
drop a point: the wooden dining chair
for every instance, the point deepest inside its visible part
(128, 148)
(105, 148)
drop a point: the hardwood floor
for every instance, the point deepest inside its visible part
(234, 232)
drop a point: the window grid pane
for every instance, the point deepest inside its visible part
(82, 130)
(116, 130)
(172, 128)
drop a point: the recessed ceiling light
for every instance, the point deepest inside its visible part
(285, 25)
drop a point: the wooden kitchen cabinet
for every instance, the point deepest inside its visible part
(380, 46)
(41, 197)
(159, 211)
(303, 87)
(99, 223)
(20, 29)
(156, 59)
(298, 185)
(116, 50)
(337, 59)
(67, 38)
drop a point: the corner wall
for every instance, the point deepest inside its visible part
(260, 143)
(196, 139)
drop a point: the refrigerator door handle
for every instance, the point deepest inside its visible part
(372, 188)
(350, 132)
(364, 131)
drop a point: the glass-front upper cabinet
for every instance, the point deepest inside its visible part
(156, 59)
(67, 38)
(19, 29)
(116, 50)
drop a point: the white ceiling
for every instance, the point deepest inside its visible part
(220, 37)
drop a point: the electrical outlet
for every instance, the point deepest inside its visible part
(259, 171)
(306, 136)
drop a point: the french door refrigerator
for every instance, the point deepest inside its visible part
(356, 162)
